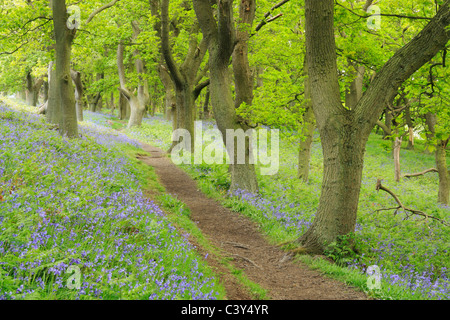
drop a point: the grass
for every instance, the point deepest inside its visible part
(412, 254)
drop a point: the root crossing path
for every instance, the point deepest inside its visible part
(240, 239)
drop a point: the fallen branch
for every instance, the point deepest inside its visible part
(246, 259)
(401, 206)
(420, 173)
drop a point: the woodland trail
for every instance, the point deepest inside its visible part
(239, 238)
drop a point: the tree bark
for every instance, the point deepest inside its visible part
(205, 110)
(137, 102)
(66, 97)
(222, 39)
(441, 165)
(309, 125)
(344, 132)
(354, 91)
(79, 102)
(183, 76)
(410, 125)
(397, 147)
(33, 88)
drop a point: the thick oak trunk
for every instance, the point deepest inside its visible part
(309, 125)
(343, 154)
(441, 165)
(53, 110)
(79, 101)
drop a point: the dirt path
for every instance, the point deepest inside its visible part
(239, 238)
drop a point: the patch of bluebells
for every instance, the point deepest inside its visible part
(76, 203)
(284, 212)
(429, 280)
(432, 282)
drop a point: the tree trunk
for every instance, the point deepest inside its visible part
(205, 111)
(410, 125)
(354, 92)
(304, 155)
(169, 97)
(222, 39)
(183, 76)
(33, 88)
(113, 103)
(388, 125)
(430, 121)
(79, 102)
(53, 109)
(343, 152)
(243, 176)
(68, 121)
(123, 107)
(397, 147)
(309, 125)
(441, 165)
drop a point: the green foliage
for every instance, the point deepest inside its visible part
(343, 250)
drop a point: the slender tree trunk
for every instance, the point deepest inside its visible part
(222, 39)
(243, 176)
(397, 147)
(354, 92)
(410, 125)
(123, 107)
(113, 103)
(45, 91)
(430, 121)
(304, 156)
(205, 112)
(68, 121)
(183, 76)
(79, 101)
(441, 165)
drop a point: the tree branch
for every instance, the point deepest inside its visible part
(97, 11)
(420, 173)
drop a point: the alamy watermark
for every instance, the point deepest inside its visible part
(241, 147)
(74, 281)
(74, 21)
(374, 279)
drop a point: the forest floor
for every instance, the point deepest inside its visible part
(240, 239)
